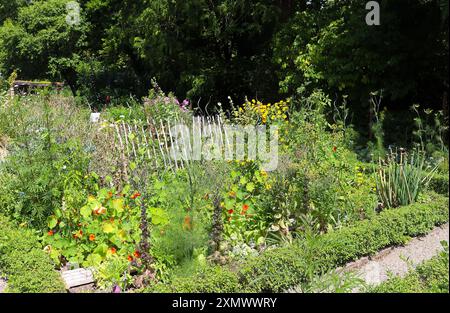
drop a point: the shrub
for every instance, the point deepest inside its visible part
(439, 184)
(207, 279)
(27, 267)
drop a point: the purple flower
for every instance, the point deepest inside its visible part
(183, 105)
(116, 289)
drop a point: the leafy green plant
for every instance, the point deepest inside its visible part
(106, 224)
(113, 271)
(244, 220)
(400, 177)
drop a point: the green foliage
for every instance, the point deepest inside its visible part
(311, 57)
(207, 279)
(332, 282)
(331, 186)
(244, 219)
(429, 277)
(113, 271)
(22, 259)
(47, 158)
(180, 227)
(430, 131)
(439, 183)
(401, 177)
(40, 42)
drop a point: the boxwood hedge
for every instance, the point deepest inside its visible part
(439, 183)
(22, 260)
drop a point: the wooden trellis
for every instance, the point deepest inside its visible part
(154, 143)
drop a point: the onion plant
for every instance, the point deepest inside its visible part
(401, 176)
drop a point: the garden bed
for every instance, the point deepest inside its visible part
(281, 268)
(111, 195)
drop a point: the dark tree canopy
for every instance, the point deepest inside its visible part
(209, 50)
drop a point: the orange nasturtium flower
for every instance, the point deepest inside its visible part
(113, 250)
(130, 258)
(135, 195)
(244, 209)
(230, 211)
(91, 237)
(50, 233)
(137, 254)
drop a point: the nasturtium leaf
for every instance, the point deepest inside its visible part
(108, 228)
(52, 221)
(58, 213)
(250, 187)
(229, 203)
(93, 259)
(103, 194)
(126, 189)
(260, 241)
(101, 249)
(243, 180)
(118, 205)
(133, 166)
(86, 211)
(159, 216)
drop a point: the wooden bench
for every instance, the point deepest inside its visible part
(24, 86)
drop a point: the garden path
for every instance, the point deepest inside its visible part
(398, 260)
(2, 285)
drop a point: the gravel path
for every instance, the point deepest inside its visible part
(398, 260)
(2, 285)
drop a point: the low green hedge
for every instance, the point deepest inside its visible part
(27, 267)
(439, 184)
(209, 279)
(429, 277)
(280, 268)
